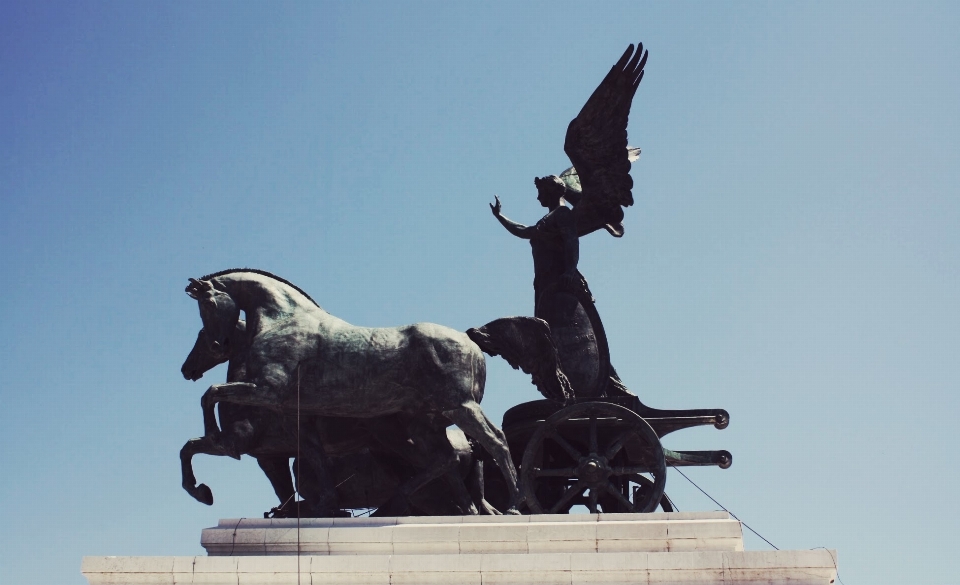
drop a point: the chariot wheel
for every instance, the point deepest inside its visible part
(636, 488)
(590, 453)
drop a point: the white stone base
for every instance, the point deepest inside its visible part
(456, 535)
(485, 550)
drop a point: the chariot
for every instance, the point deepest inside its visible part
(600, 449)
(602, 453)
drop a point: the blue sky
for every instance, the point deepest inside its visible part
(792, 256)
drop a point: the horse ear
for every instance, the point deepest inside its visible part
(196, 287)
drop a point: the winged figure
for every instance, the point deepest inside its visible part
(598, 186)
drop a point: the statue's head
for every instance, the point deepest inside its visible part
(550, 190)
(218, 311)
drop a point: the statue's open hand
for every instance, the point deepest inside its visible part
(495, 207)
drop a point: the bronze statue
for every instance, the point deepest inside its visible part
(369, 458)
(598, 186)
(372, 406)
(299, 359)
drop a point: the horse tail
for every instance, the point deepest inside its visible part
(526, 344)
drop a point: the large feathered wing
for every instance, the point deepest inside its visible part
(571, 178)
(596, 143)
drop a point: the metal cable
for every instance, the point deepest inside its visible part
(722, 506)
(837, 568)
(299, 474)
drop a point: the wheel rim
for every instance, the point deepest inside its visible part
(637, 488)
(595, 446)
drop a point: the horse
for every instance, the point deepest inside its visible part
(246, 429)
(366, 476)
(303, 360)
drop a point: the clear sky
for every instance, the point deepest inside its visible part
(792, 257)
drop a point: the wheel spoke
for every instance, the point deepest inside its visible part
(562, 472)
(593, 435)
(617, 445)
(616, 493)
(631, 470)
(573, 491)
(565, 445)
(592, 502)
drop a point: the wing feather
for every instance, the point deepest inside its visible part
(596, 143)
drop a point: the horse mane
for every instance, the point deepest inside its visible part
(262, 273)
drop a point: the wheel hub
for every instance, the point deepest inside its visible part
(593, 470)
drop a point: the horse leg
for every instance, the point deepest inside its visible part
(425, 446)
(429, 447)
(474, 484)
(460, 493)
(277, 470)
(467, 480)
(314, 477)
(206, 446)
(472, 421)
(323, 495)
(234, 392)
(455, 478)
(399, 504)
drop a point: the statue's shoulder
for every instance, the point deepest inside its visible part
(558, 218)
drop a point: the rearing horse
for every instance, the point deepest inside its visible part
(303, 360)
(381, 447)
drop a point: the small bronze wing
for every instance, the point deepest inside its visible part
(596, 143)
(525, 343)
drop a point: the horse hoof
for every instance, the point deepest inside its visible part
(487, 510)
(204, 495)
(512, 512)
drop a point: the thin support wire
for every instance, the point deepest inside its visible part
(832, 558)
(724, 508)
(299, 474)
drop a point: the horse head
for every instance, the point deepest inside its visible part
(218, 311)
(202, 358)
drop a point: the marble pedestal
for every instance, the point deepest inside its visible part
(679, 547)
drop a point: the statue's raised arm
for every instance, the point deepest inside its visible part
(518, 229)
